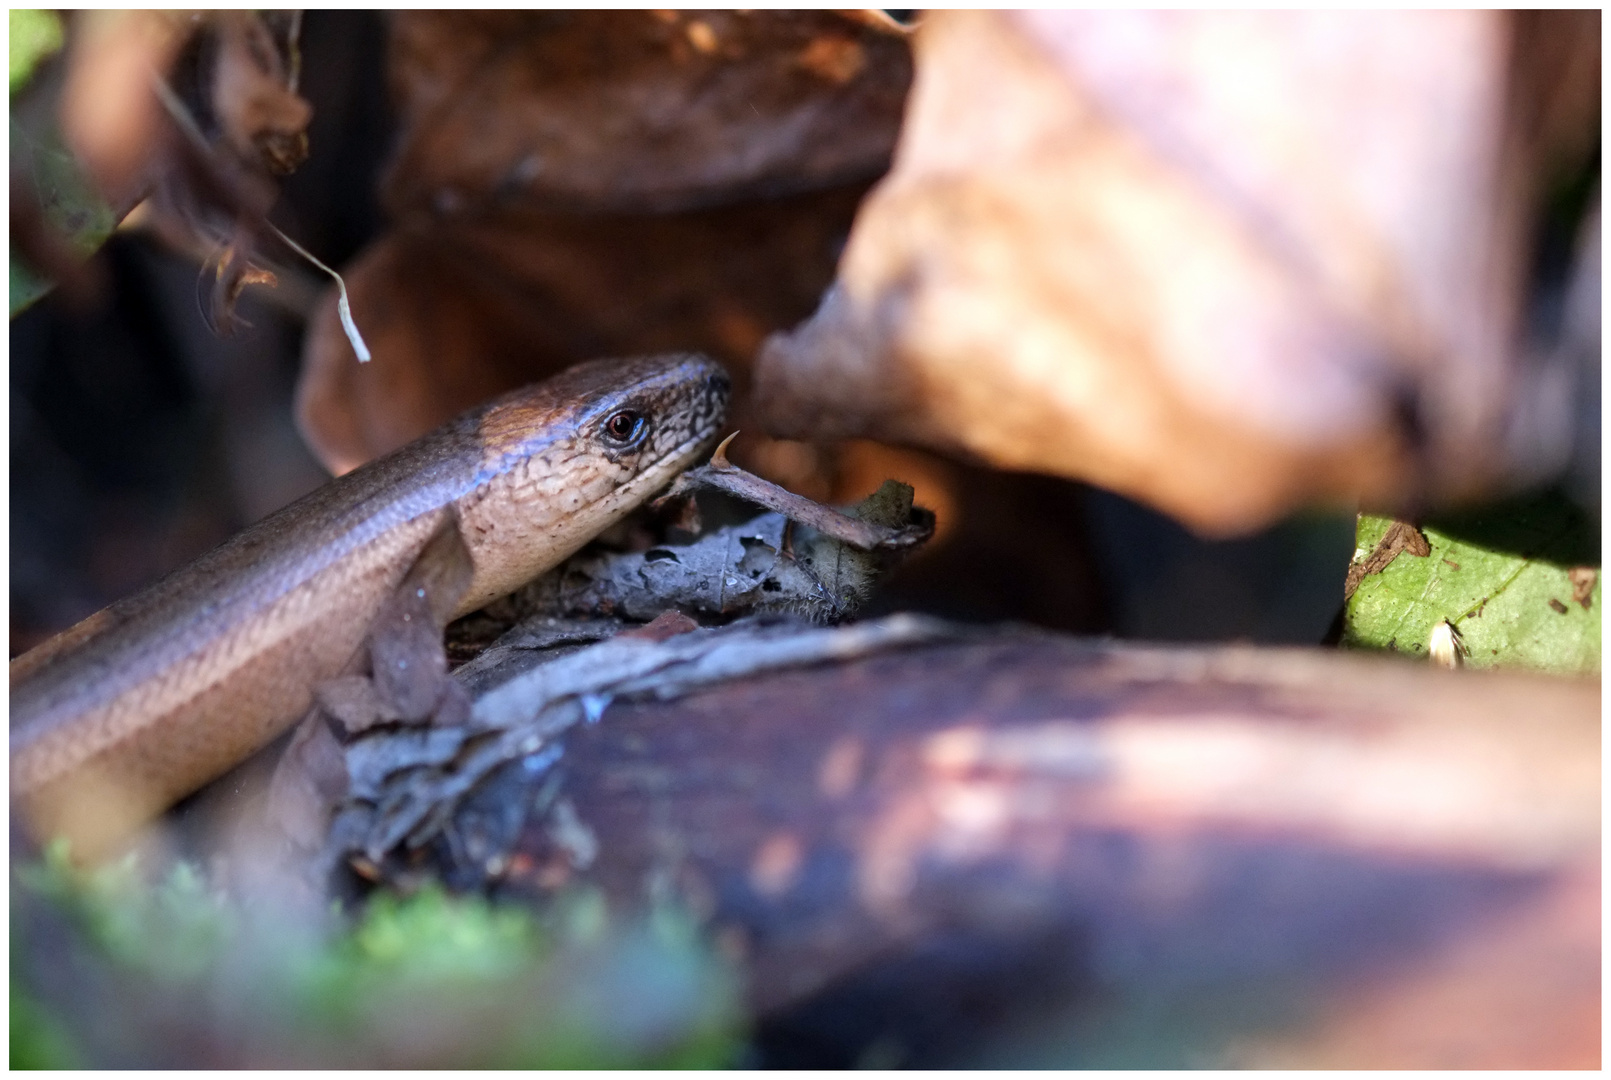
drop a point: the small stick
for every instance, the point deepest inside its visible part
(723, 475)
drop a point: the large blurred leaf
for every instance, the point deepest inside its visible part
(1518, 581)
(1146, 250)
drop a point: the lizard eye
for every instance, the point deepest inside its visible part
(623, 429)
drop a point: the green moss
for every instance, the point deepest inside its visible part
(430, 980)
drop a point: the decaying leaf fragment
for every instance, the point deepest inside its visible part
(236, 125)
(1400, 537)
(79, 144)
(883, 522)
(760, 567)
(1583, 579)
(109, 116)
(254, 98)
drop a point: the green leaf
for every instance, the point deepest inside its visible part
(71, 205)
(1502, 576)
(35, 35)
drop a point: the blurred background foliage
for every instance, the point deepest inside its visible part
(179, 975)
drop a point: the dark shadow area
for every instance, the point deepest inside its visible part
(1281, 586)
(1545, 525)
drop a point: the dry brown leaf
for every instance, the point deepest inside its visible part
(512, 120)
(458, 311)
(252, 98)
(639, 110)
(1226, 264)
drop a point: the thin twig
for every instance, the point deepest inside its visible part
(343, 306)
(722, 475)
(293, 46)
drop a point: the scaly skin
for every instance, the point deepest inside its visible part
(135, 707)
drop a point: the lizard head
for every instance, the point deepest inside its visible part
(565, 459)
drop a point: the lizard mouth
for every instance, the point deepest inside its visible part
(664, 469)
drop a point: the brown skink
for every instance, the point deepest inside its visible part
(118, 717)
